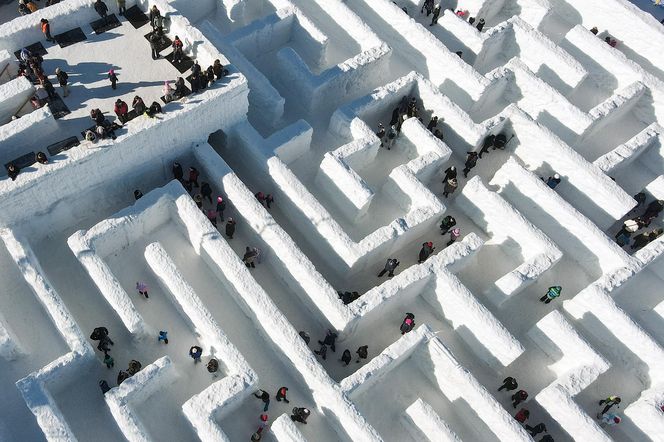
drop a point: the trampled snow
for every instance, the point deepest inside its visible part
(297, 117)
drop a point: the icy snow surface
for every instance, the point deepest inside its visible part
(296, 117)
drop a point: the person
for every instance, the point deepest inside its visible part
(389, 268)
(264, 396)
(643, 239)
(142, 289)
(454, 235)
(322, 352)
(262, 425)
(102, 10)
(408, 323)
(138, 105)
(487, 144)
(519, 397)
(46, 30)
(198, 199)
(138, 194)
(122, 376)
(180, 88)
(428, 5)
(104, 386)
(446, 224)
(98, 333)
(178, 174)
(432, 124)
(381, 133)
(22, 8)
(163, 336)
(97, 116)
(552, 293)
(610, 419)
(522, 416)
(346, 357)
(178, 52)
(221, 206)
(471, 162)
(426, 251)
(206, 191)
(193, 178)
(48, 86)
(537, 429)
(608, 403)
(212, 216)
(256, 437)
(348, 297)
(195, 352)
(480, 25)
(391, 137)
(305, 336)
(594, 30)
(218, 69)
(121, 110)
(62, 81)
(450, 173)
(436, 13)
(154, 109)
(281, 395)
(509, 384)
(213, 366)
(249, 257)
(330, 339)
(653, 209)
(154, 45)
(209, 74)
(230, 228)
(553, 181)
(362, 353)
(122, 7)
(450, 186)
(40, 157)
(628, 228)
(155, 17)
(134, 367)
(108, 360)
(114, 79)
(168, 92)
(300, 415)
(459, 53)
(90, 136)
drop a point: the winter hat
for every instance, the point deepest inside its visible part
(264, 417)
(456, 231)
(57, 70)
(230, 220)
(111, 72)
(430, 244)
(219, 199)
(617, 419)
(556, 176)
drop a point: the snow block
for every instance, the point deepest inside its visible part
(648, 143)
(423, 423)
(123, 399)
(37, 129)
(13, 96)
(284, 430)
(501, 220)
(10, 347)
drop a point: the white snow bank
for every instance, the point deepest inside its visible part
(284, 430)
(583, 184)
(363, 379)
(191, 306)
(38, 129)
(149, 144)
(423, 422)
(457, 383)
(646, 413)
(13, 95)
(425, 53)
(486, 336)
(321, 296)
(10, 347)
(264, 99)
(124, 399)
(502, 221)
(64, 16)
(8, 66)
(206, 408)
(576, 235)
(649, 141)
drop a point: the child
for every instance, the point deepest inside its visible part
(163, 336)
(108, 360)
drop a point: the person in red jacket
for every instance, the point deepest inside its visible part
(522, 416)
(281, 395)
(46, 30)
(121, 109)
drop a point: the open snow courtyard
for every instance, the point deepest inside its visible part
(256, 211)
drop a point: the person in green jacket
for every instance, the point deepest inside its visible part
(551, 294)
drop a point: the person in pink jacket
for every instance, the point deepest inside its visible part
(142, 289)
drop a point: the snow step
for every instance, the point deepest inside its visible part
(182, 66)
(102, 25)
(70, 37)
(136, 17)
(61, 146)
(35, 48)
(161, 44)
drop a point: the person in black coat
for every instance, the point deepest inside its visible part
(12, 171)
(346, 357)
(206, 191)
(362, 353)
(480, 25)
(509, 384)
(426, 251)
(330, 339)
(488, 143)
(177, 171)
(230, 228)
(471, 162)
(101, 9)
(390, 267)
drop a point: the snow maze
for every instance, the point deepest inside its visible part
(297, 117)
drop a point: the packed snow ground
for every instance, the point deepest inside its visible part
(309, 82)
